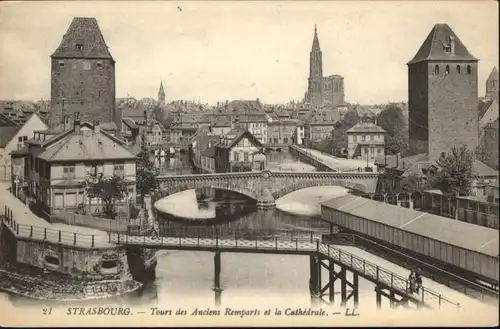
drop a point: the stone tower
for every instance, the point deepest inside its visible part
(83, 75)
(315, 83)
(442, 88)
(492, 85)
(161, 94)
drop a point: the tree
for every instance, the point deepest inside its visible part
(339, 133)
(392, 120)
(455, 173)
(145, 172)
(109, 190)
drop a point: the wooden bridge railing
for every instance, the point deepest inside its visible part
(302, 244)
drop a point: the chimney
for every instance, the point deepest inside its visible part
(452, 45)
(398, 160)
(76, 122)
(97, 129)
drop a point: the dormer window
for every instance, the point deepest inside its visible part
(79, 46)
(447, 49)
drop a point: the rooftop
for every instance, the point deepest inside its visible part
(439, 228)
(366, 127)
(85, 145)
(83, 39)
(434, 47)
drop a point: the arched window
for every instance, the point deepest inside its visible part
(458, 69)
(447, 71)
(436, 69)
(469, 69)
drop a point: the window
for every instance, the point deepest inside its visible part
(79, 46)
(86, 65)
(245, 156)
(458, 69)
(363, 138)
(285, 140)
(469, 69)
(119, 169)
(236, 156)
(61, 63)
(436, 69)
(355, 138)
(69, 171)
(99, 64)
(447, 71)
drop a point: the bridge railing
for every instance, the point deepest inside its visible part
(381, 275)
(453, 281)
(38, 233)
(254, 234)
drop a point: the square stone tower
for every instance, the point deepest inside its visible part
(443, 99)
(83, 75)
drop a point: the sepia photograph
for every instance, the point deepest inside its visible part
(249, 163)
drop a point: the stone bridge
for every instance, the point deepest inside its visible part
(267, 186)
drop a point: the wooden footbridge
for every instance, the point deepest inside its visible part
(322, 255)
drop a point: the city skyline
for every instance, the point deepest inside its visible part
(225, 61)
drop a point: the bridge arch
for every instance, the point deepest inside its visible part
(179, 185)
(287, 189)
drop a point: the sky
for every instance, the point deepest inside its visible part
(217, 51)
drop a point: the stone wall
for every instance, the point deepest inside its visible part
(89, 263)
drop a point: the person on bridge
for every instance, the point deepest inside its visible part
(412, 280)
(418, 281)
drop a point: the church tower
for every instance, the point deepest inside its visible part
(83, 75)
(492, 85)
(161, 94)
(315, 83)
(442, 95)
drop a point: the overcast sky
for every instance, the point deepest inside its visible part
(226, 50)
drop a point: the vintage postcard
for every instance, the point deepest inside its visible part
(244, 163)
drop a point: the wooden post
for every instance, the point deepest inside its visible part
(31, 231)
(378, 298)
(331, 278)
(355, 283)
(343, 287)
(217, 270)
(59, 235)
(74, 238)
(92, 240)
(45, 233)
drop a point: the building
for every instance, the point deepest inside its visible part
(443, 99)
(281, 132)
(56, 167)
(488, 112)
(83, 75)
(161, 95)
(299, 134)
(204, 139)
(130, 131)
(257, 124)
(319, 125)
(234, 153)
(492, 85)
(321, 90)
(487, 151)
(365, 140)
(12, 137)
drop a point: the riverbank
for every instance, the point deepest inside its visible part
(34, 283)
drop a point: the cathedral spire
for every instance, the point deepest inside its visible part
(161, 93)
(315, 45)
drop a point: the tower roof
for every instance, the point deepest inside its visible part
(433, 48)
(83, 39)
(493, 75)
(161, 91)
(315, 46)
